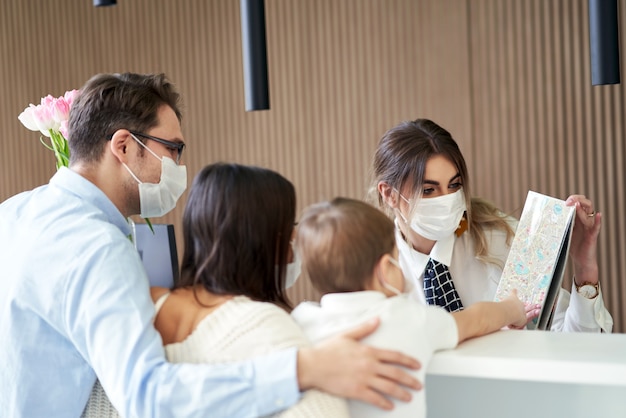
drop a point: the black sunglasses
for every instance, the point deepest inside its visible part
(178, 146)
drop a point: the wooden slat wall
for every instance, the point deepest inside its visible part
(509, 79)
(541, 124)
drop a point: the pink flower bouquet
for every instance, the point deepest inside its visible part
(51, 118)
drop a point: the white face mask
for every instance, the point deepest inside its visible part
(294, 269)
(437, 218)
(160, 198)
(389, 287)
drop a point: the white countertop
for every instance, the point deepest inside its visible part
(538, 356)
(522, 374)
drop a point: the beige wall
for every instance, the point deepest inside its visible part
(510, 79)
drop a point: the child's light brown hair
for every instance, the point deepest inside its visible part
(340, 243)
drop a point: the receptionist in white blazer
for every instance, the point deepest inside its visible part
(421, 180)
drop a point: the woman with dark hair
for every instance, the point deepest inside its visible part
(230, 302)
(453, 246)
(237, 229)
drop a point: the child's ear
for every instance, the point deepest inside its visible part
(388, 194)
(385, 266)
(374, 282)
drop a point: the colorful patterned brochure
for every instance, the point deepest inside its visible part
(538, 255)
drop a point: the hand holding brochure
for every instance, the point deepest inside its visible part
(538, 255)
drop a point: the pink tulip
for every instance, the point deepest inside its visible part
(60, 109)
(51, 118)
(47, 101)
(70, 96)
(51, 114)
(64, 129)
(27, 118)
(38, 118)
(44, 116)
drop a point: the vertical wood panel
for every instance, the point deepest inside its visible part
(572, 132)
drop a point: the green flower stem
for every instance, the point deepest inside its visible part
(43, 142)
(61, 149)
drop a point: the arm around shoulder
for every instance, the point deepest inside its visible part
(345, 367)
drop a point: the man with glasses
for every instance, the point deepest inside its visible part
(74, 297)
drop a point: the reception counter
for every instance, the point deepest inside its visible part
(530, 374)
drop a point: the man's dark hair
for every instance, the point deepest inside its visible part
(108, 102)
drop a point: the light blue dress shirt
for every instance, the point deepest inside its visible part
(75, 303)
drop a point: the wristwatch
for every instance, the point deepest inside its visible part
(588, 290)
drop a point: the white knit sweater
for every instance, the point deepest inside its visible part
(236, 331)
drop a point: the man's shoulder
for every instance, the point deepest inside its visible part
(14, 202)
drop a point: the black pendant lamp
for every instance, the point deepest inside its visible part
(254, 50)
(104, 3)
(604, 42)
